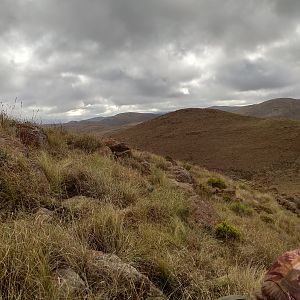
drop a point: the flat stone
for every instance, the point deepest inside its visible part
(69, 282)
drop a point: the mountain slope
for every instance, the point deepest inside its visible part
(281, 108)
(104, 125)
(218, 140)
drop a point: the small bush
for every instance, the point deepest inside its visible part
(241, 209)
(217, 183)
(225, 230)
(267, 219)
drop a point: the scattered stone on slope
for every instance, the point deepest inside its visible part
(31, 135)
(44, 215)
(203, 213)
(106, 268)
(181, 175)
(69, 282)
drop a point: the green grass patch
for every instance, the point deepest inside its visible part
(225, 230)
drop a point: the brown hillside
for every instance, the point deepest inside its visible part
(224, 141)
(105, 125)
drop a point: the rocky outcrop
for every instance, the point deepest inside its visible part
(108, 268)
(182, 175)
(31, 135)
(120, 150)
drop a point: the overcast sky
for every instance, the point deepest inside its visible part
(80, 58)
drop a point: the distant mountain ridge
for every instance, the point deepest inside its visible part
(104, 125)
(281, 108)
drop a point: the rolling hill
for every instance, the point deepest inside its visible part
(280, 108)
(105, 125)
(264, 150)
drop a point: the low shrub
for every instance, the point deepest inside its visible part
(225, 230)
(217, 183)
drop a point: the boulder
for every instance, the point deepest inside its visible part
(116, 146)
(282, 281)
(120, 150)
(69, 282)
(31, 135)
(109, 268)
(186, 187)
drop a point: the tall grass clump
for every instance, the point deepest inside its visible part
(105, 231)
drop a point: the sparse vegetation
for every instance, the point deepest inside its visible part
(98, 203)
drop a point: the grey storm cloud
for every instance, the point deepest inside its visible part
(75, 59)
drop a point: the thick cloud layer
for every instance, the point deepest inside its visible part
(75, 59)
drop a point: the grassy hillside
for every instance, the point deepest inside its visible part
(262, 149)
(69, 203)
